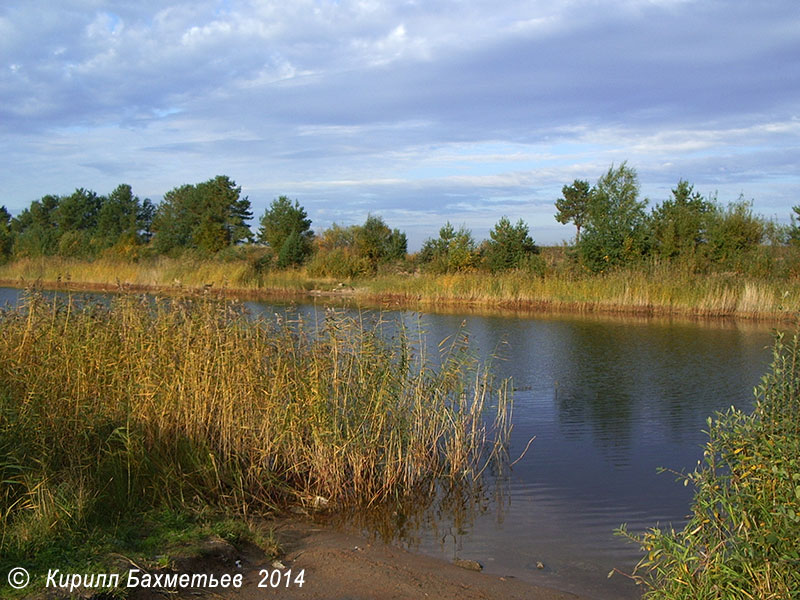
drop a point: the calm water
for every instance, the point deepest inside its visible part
(609, 401)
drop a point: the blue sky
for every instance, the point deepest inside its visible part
(420, 111)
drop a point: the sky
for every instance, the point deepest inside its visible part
(421, 112)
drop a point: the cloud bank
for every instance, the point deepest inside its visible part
(418, 111)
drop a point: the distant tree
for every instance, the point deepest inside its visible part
(175, 219)
(733, 231)
(614, 230)
(794, 229)
(453, 251)
(77, 212)
(337, 237)
(377, 243)
(35, 229)
(123, 218)
(6, 235)
(287, 224)
(679, 226)
(509, 245)
(574, 204)
(208, 216)
(293, 251)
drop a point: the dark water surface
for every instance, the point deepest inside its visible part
(609, 401)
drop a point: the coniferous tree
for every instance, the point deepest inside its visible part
(509, 245)
(208, 216)
(282, 223)
(573, 206)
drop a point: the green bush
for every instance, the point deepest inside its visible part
(509, 246)
(452, 252)
(341, 263)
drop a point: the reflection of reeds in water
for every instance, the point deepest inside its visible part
(443, 512)
(146, 403)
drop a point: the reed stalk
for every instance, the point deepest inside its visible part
(149, 403)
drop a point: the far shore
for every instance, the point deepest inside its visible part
(614, 296)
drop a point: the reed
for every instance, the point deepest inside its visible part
(652, 288)
(660, 290)
(741, 539)
(143, 403)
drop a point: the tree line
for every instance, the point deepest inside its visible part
(613, 227)
(613, 230)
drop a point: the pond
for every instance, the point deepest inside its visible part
(609, 401)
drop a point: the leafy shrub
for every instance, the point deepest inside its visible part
(340, 263)
(741, 539)
(453, 251)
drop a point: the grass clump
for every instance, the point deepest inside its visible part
(112, 411)
(741, 538)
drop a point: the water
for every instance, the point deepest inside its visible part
(609, 401)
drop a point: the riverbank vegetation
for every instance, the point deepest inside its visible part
(689, 254)
(151, 410)
(741, 539)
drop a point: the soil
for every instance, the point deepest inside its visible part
(345, 566)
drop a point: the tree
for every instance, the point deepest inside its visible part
(123, 218)
(35, 228)
(286, 223)
(6, 235)
(377, 243)
(614, 231)
(77, 212)
(574, 204)
(509, 245)
(733, 231)
(453, 251)
(208, 216)
(794, 229)
(679, 225)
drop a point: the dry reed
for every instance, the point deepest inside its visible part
(146, 403)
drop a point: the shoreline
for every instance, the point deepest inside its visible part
(345, 565)
(365, 297)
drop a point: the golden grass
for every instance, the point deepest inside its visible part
(154, 402)
(663, 289)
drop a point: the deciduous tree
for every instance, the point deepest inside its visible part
(573, 206)
(615, 231)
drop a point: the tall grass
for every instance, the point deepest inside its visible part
(741, 541)
(660, 290)
(146, 404)
(652, 288)
(156, 273)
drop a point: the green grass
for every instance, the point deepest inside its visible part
(112, 414)
(153, 540)
(741, 541)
